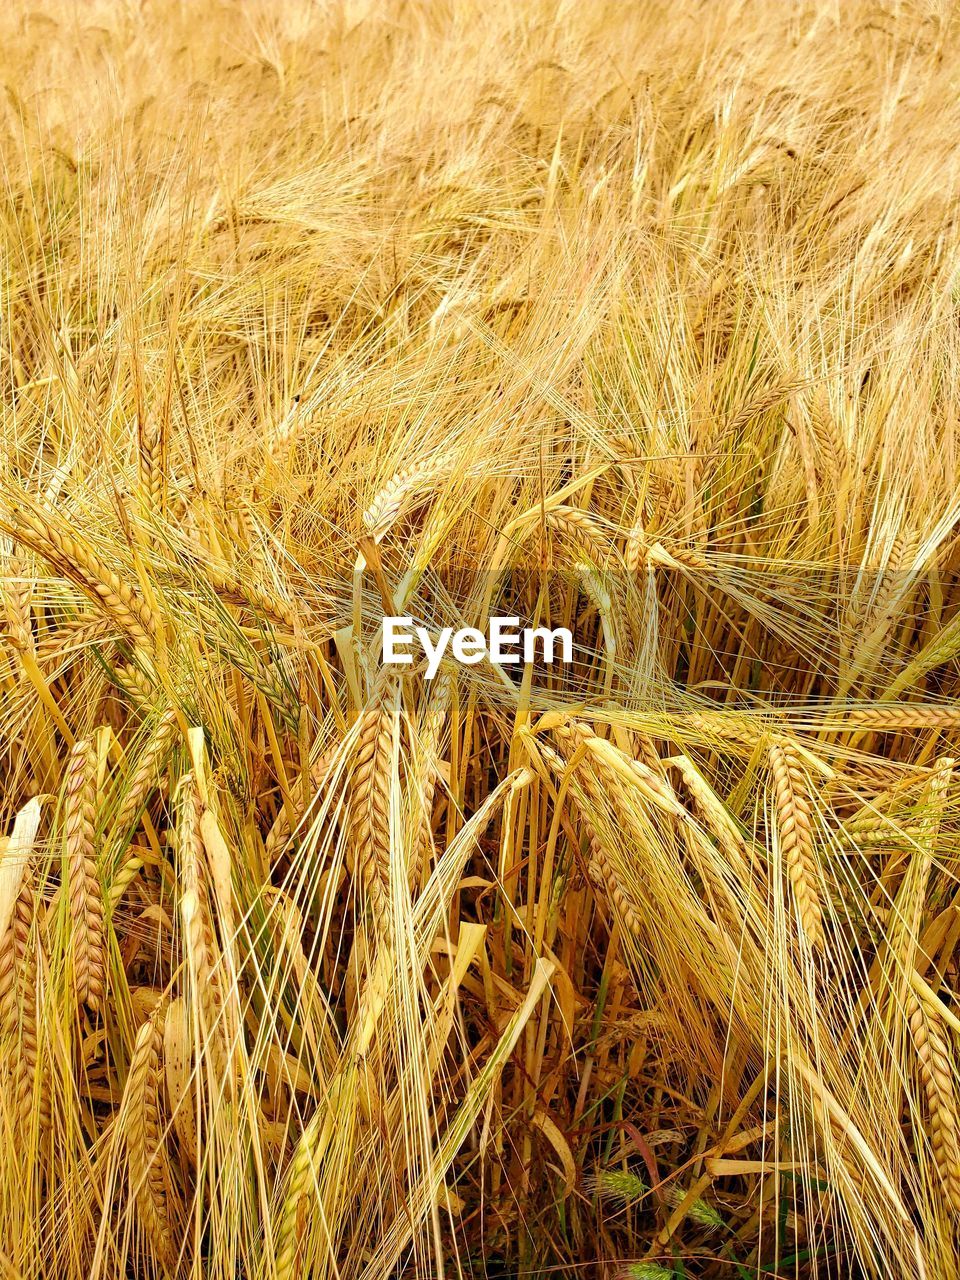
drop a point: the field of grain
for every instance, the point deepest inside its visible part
(639, 319)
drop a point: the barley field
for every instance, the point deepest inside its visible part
(638, 319)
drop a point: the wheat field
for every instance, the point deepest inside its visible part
(639, 319)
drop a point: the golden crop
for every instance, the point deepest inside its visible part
(638, 319)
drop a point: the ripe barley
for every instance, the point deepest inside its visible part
(398, 493)
(73, 636)
(282, 828)
(891, 719)
(714, 813)
(600, 868)
(795, 827)
(202, 950)
(18, 1007)
(883, 607)
(85, 898)
(941, 648)
(301, 1178)
(142, 781)
(328, 1132)
(645, 751)
(676, 555)
(281, 435)
(17, 595)
(152, 474)
(730, 729)
(936, 1065)
(138, 687)
(151, 1177)
(268, 677)
(635, 549)
(604, 878)
(615, 322)
(246, 595)
(370, 803)
(76, 560)
(429, 746)
(620, 770)
(581, 531)
(827, 434)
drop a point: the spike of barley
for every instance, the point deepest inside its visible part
(77, 561)
(151, 1178)
(85, 898)
(795, 825)
(370, 804)
(936, 1064)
